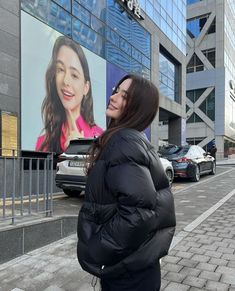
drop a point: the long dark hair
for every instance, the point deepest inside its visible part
(140, 110)
(53, 112)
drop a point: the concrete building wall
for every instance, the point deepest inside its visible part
(211, 77)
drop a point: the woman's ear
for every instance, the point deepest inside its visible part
(86, 87)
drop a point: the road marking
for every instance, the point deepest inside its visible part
(190, 227)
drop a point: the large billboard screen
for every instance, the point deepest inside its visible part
(63, 88)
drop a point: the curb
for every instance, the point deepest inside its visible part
(24, 238)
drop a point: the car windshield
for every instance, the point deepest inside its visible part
(79, 147)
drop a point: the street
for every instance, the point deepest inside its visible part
(202, 255)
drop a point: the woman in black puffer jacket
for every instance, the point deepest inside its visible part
(127, 221)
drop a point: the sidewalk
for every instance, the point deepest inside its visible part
(202, 255)
(226, 162)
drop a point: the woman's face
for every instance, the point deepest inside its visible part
(70, 80)
(117, 101)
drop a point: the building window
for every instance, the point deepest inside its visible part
(194, 140)
(169, 77)
(9, 140)
(66, 4)
(192, 1)
(195, 25)
(208, 105)
(210, 55)
(212, 27)
(195, 64)
(194, 118)
(194, 95)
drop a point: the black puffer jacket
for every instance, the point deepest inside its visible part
(128, 219)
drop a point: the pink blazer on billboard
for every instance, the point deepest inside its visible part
(81, 125)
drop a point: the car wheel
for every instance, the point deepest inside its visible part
(170, 176)
(196, 175)
(213, 169)
(72, 193)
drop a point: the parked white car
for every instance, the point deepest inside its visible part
(168, 168)
(70, 172)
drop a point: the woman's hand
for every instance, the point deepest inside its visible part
(72, 130)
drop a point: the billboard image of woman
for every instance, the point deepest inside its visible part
(67, 83)
(68, 106)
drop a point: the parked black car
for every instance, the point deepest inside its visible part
(189, 161)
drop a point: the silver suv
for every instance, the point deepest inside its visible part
(70, 174)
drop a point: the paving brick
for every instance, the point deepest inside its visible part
(229, 240)
(176, 287)
(217, 239)
(188, 263)
(221, 244)
(173, 252)
(232, 246)
(185, 255)
(216, 286)
(231, 264)
(190, 271)
(219, 262)
(194, 281)
(228, 278)
(228, 257)
(53, 288)
(226, 235)
(172, 267)
(193, 244)
(199, 251)
(211, 233)
(164, 283)
(196, 289)
(210, 247)
(207, 267)
(213, 254)
(191, 238)
(199, 231)
(201, 258)
(171, 259)
(225, 250)
(181, 248)
(210, 276)
(174, 277)
(163, 272)
(209, 229)
(225, 270)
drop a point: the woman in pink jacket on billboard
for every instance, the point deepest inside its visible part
(67, 109)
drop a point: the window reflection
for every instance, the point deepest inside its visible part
(169, 78)
(81, 13)
(59, 19)
(88, 37)
(96, 7)
(115, 56)
(66, 4)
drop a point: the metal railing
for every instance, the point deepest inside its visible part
(26, 186)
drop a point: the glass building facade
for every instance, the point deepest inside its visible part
(103, 27)
(170, 17)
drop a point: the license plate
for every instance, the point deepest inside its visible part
(76, 164)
